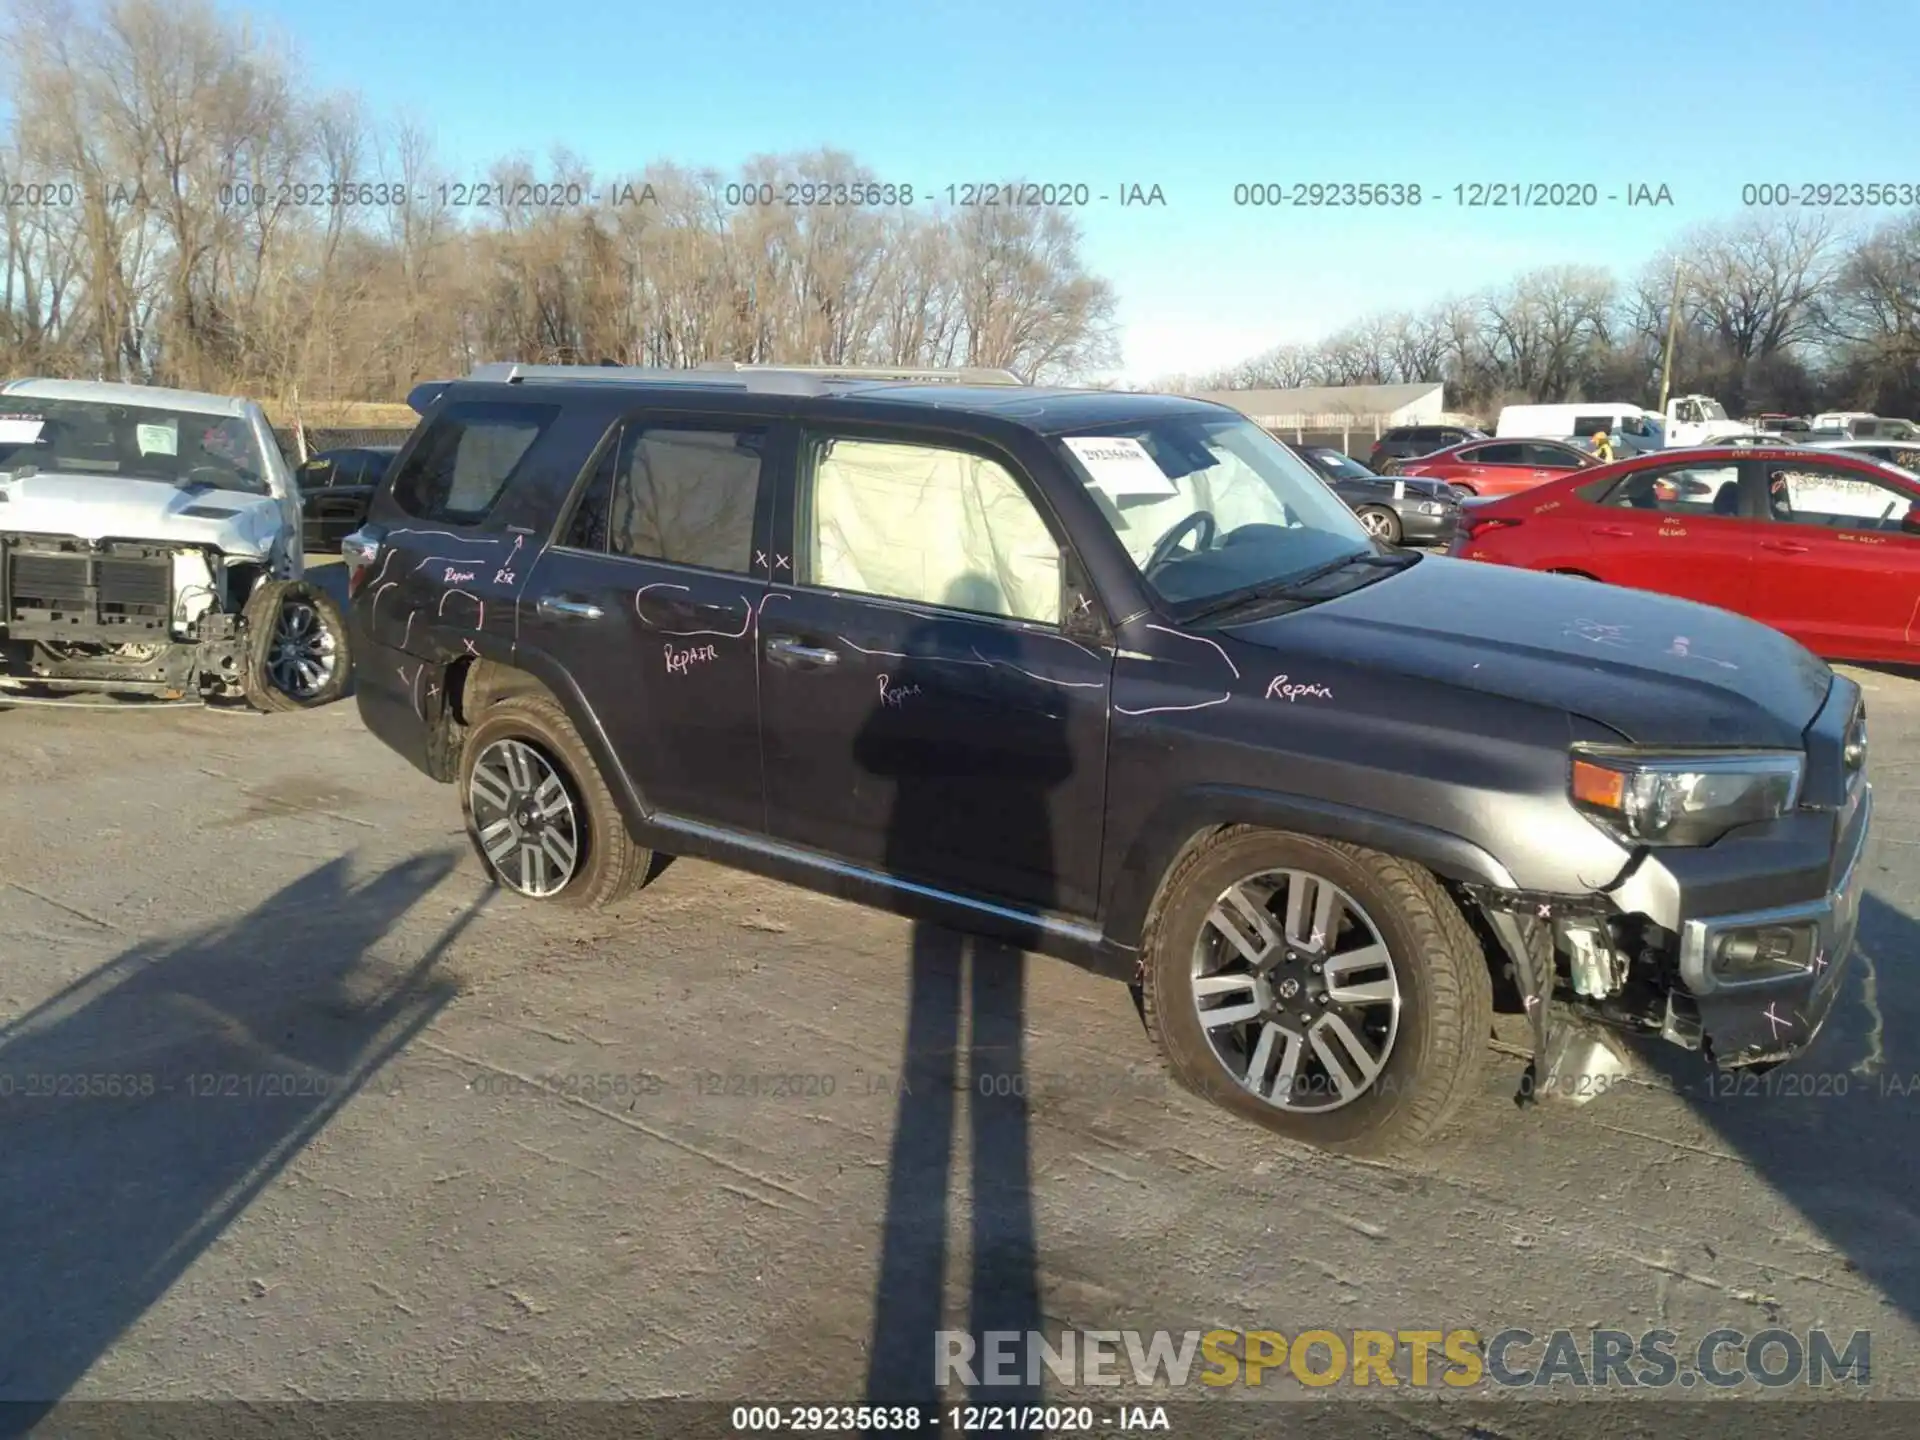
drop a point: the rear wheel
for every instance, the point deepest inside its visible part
(538, 813)
(1381, 523)
(1333, 994)
(298, 655)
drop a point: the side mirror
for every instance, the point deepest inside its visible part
(1912, 522)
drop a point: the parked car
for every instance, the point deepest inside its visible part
(1116, 678)
(1398, 511)
(150, 547)
(335, 486)
(1861, 427)
(1407, 440)
(1498, 467)
(1823, 545)
(1772, 423)
(1905, 456)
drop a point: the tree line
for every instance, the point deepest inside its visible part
(181, 209)
(1788, 313)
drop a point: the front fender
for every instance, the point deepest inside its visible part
(1171, 827)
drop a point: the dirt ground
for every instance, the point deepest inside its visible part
(333, 1173)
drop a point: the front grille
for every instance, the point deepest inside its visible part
(51, 587)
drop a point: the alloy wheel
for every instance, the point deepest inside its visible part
(304, 654)
(1374, 523)
(1296, 991)
(525, 818)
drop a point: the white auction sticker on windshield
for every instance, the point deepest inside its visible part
(20, 429)
(158, 439)
(1121, 466)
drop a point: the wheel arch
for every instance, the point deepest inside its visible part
(1191, 817)
(473, 683)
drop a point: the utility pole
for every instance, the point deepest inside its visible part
(1673, 324)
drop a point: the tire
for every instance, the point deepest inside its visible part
(606, 864)
(1381, 523)
(1435, 1042)
(299, 655)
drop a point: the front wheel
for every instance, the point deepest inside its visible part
(1382, 524)
(540, 817)
(1333, 994)
(298, 653)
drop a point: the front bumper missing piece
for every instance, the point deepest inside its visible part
(1740, 1023)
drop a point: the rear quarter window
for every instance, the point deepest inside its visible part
(467, 458)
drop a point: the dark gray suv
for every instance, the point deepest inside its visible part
(1117, 678)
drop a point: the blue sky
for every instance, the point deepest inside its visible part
(1195, 97)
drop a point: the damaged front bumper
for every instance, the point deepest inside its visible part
(1764, 980)
(1736, 949)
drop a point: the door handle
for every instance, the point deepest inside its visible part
(1785, 547)
(785, 650)
(554, 607)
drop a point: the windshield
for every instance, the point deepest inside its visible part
(1345, 466)
(1206, 506)
(135, 442)
(1712, 410)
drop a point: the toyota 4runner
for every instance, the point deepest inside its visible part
(1116, 678)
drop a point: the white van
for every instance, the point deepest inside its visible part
(1634, 431)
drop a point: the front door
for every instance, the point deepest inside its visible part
(648, 602)
(1684, 529)
(1838, 570)
(927, 713)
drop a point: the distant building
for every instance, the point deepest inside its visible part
(1337, 414)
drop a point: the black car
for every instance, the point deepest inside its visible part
(1411, 511)
(1116, 678)
(1403, 442)
(335, 486)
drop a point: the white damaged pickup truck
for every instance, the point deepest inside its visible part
(150, 547)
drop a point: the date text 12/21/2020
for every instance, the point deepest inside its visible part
(1469, 195)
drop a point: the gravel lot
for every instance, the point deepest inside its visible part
(189, 896)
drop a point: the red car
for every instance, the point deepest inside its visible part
(1817, 543)
(1497, 467)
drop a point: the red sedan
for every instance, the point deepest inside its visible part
(1497, 467)
(1817, 543)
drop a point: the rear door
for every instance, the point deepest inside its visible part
(1688, 530)
(314, 479)
(649, 601)
(1838, 570)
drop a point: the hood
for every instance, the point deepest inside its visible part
(114, 507)
(1658, 671)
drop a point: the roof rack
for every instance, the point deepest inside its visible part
(952, 375)
(732, 375)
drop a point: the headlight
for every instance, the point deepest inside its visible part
(1430, 507)
(1683, 799)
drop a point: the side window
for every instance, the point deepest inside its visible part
(683, 496)
(314, 475)
(1681, 490)
(1502, 454)
(1550, 457)
(1833, 498)
(466, 459)
(928, 525)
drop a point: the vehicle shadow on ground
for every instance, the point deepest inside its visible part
(964, 991)
(1833, 1130)
(148, 1104)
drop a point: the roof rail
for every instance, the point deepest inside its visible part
(732, 375)
(955, 374)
